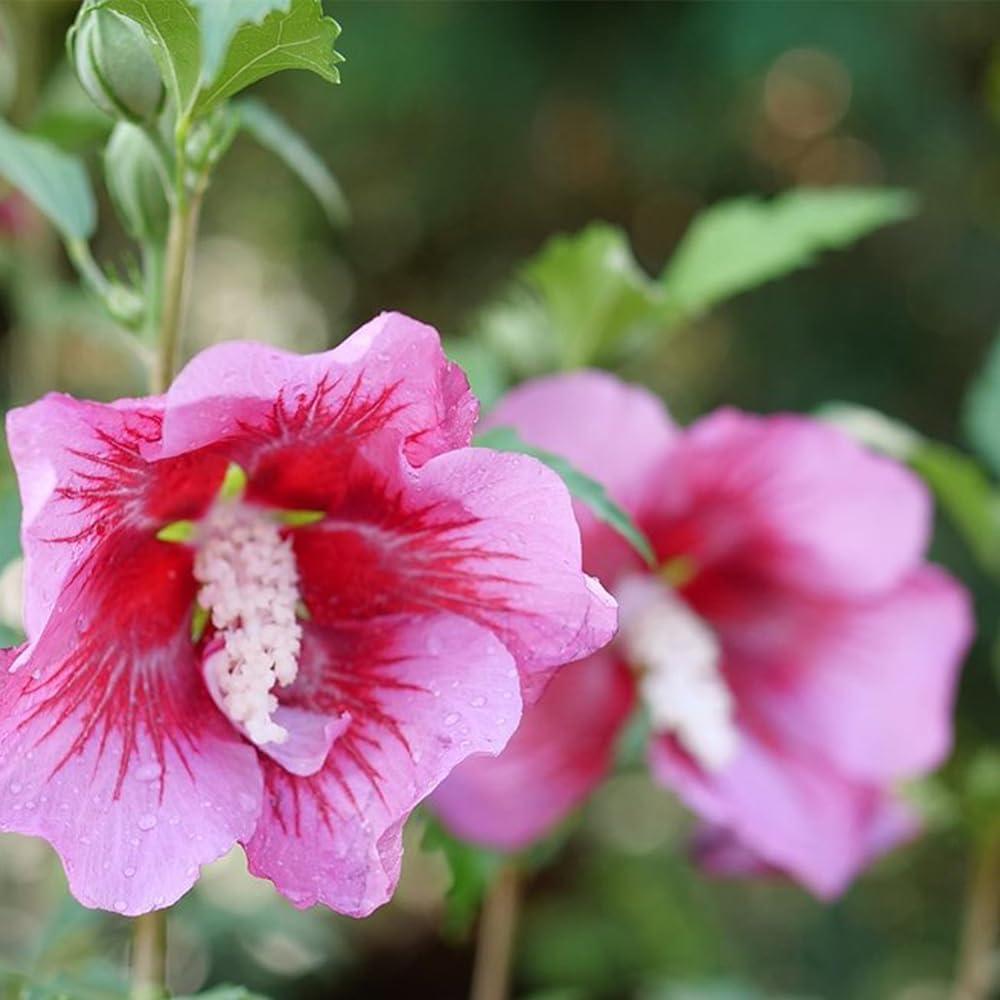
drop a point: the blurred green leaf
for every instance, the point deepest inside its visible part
(982, 410)
(585, 489)
(961, 487)
(299, 38)
(220, 20)
(277, 136)
(737, 245)
(472, 871)
(593, 292)
(55, 181)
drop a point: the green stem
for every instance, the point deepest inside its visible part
(149, 956)
(496, 936)
(975, 976)
(176, 274)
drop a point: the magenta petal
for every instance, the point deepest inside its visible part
(310, 734)
(887, 823)
(444, 689)
(523, 561)
(559, 754)
(390, 377)
(310, 737)
(46, 440)
(132, 822)
(795, 814)
(799, 501)
(871, 687)
(611, 431)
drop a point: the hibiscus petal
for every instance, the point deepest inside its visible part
(559, 754)
(609, 430)
(888, 823)
(871, 687)
(132, 810)
(486, 535)
(794, 813)
(85, 478)
(294, 421)
(424, 695)
(793, 499)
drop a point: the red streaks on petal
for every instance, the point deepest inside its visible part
(116, 659)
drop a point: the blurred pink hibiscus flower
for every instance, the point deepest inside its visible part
(796, 656)
(274, 606)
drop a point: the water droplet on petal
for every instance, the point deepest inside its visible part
(146, 822)
(478, 702)
(149, 772)
(451, 719)
(129, 872)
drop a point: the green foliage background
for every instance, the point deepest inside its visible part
(464, 135)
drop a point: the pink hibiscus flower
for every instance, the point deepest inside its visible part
(795, 654)
(274, 606)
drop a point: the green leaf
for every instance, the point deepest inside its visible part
(172, 28)
(593, 292)
(472, 872)
(737, 245)
(299, 38)
(220, 20)
(960, 486)
(277, 136)
(585, 489)
(55, 181)
(982, 410)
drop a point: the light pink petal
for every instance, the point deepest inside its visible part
(888, 823)
(795, 500)
(606, 428)
(794, 813)
(871, 687)
(559, 754)
(424, 695)
(84, 478)
(609, 430)
(310, 734)
(388, 386)
(133, 795)
(523, 559)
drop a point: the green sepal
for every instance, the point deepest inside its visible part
(233, 483)
(177, 531)
(199, 622)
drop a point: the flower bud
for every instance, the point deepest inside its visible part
(115, 64)
(132, 170)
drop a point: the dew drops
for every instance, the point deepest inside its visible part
(478, 701)
(146, 822)
(129, 872)
(120, 905)
(451, 719)
(15, 787)
(149, 772)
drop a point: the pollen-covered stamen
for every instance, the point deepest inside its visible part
(677, 658)
(250, 586)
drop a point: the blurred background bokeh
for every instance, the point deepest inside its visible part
(464, 135)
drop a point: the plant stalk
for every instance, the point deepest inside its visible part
(495, 940)
(974, 978)
(176, 279)
(149, 956)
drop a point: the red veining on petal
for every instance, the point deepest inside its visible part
(115, 485)
(342, 672)
(307, 443)
(131, 667)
